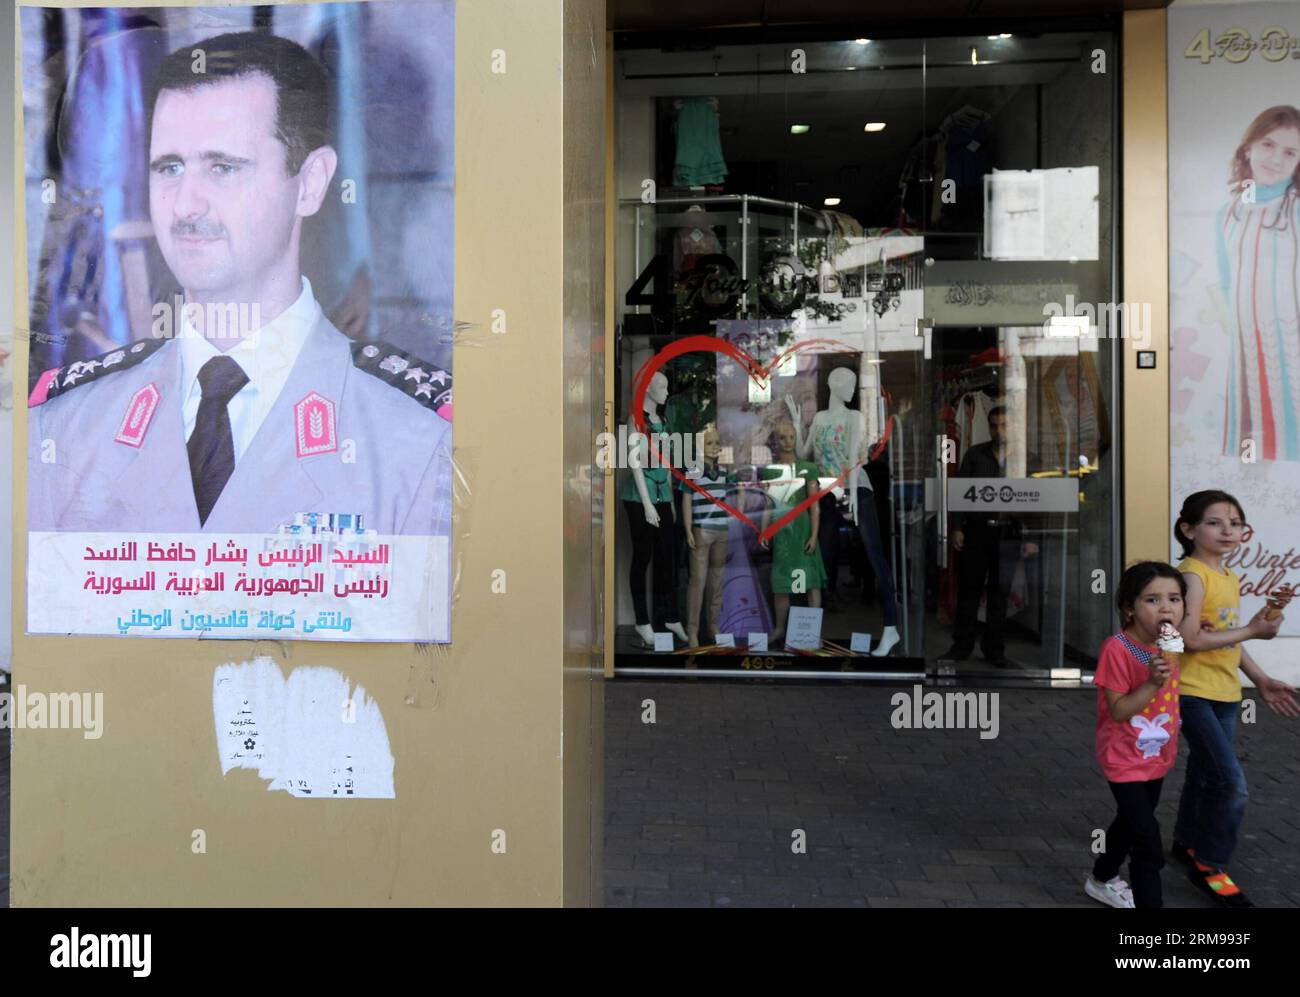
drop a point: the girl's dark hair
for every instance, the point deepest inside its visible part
(302, 97)
(1193, 512)
(1138, 576)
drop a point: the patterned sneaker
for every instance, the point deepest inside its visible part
(1218, 885)
(1183, 855)
(1114, 893)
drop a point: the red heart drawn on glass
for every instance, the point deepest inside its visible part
(758, 374)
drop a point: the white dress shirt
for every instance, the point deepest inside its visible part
(266, 358)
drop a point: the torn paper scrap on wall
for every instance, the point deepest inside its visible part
(310, 734)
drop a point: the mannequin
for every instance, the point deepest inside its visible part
(692, 241)
(836, 440)
(706, 535)
(648, 499)
(687, 411)
(794, 546)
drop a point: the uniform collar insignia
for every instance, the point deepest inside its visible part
(139, 413)
(314, 425)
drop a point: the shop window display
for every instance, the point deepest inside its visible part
(858, 373)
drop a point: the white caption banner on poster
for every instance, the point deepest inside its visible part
(247, 586)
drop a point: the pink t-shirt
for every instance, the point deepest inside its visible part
(1144, 746)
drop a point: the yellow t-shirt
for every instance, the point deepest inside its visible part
(1213, 674)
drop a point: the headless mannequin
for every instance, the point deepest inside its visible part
(708, 545)
(836, 440)
(785, 438)
(651, 524)
(693, 241)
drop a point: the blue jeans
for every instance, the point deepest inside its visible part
(869, 530)
(1214, 791)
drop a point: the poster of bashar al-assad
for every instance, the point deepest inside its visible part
(240, 248)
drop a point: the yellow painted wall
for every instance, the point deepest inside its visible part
(502, 730)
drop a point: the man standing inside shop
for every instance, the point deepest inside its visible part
(989, 547)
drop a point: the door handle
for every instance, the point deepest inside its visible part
(941, 526)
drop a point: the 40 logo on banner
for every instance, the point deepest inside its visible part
(1236, 45)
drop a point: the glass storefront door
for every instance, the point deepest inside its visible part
(1018, 286)
(1017, 501)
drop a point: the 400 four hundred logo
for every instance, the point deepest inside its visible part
(1235, 44)
(714, 287)
(1005, 493)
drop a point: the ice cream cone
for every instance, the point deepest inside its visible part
(1277, 602)
(1170, 644)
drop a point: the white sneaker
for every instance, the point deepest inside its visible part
(1124, 889)
(1115, 893)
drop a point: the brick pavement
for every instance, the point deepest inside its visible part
(700, 806)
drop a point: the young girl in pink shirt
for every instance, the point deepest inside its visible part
(1137, 730)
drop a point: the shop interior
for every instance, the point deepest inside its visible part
(832, 211)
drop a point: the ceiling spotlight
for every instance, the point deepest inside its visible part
(831, 202)
(862, 41)
(874, 126)
(799, 129)
(994, 38)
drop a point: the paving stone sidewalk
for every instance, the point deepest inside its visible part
(700, 806)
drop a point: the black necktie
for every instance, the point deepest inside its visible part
(211, 445)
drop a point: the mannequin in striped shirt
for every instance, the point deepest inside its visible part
(706, 535)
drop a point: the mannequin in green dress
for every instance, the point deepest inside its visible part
(796, 559)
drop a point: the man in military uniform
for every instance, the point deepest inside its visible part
(241, 429)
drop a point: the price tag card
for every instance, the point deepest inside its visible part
(758, 642)
(663, 642)
(804, 630)
(860, 643)
(724, 640)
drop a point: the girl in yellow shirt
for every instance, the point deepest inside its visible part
(1213, 802)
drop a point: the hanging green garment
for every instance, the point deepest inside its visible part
(699, 147)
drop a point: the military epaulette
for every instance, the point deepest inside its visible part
(427, 384)
(60, 380)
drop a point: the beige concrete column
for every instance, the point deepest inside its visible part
(500, 732)
(1145, 280)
